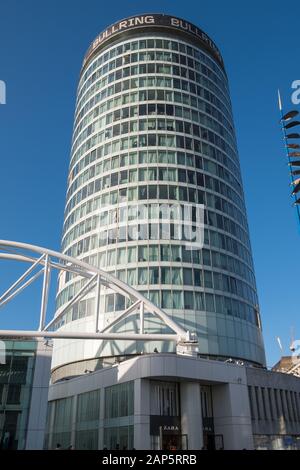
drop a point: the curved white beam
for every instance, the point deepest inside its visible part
(89, 271)
(75, 335)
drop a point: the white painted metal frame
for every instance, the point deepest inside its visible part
(48, 260)
(295, 368)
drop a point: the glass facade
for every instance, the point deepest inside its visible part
(118, 422)
(165, 399)
(116, 416)
(62, 422)
(119, 401)
(79, 420)
(74, 420)
(16, 378)
(153, 125)
(87, 419)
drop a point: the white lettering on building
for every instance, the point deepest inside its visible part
(2, 92)
(149, 19)
(296, 93)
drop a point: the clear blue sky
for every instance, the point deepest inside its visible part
(42, 44)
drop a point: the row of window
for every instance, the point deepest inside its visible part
(82, 309)
(119, 401)
(161, 109)
(153, 124)
(84, 420)
(166, 157)
(276, 441)
(206, 98)
(167, 193)
(153, 110)
(183, 255)
(190, 277)
(152, 158)
(177, 276)
(126, 85)
(182, 193)
(151, 213)
(164, 398)
(124, 71)
(163, 139)
(158, 82)
(16, 377)
(196, 74)
(210, 184)
(273, 404)
(159, 174)
(175, 254)
(142, 157)
(160, 231)
(158, 69)
(168, 253)
(118, 437)
(166, 299)
(191, 300)
(127, 47)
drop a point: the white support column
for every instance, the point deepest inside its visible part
(232, 417)
(45, 293)
(191, 414)
(142, 414)
(142, 318)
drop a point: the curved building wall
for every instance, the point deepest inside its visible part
(153, 126)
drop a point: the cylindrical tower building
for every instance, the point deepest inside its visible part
(153, 125)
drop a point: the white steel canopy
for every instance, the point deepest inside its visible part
(43, 261)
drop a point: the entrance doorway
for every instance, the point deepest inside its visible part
(173, 441)
(213, 441)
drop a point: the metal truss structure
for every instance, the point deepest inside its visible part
(294, 369)
(42, 261)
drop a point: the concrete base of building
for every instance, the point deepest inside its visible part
(166, 401)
